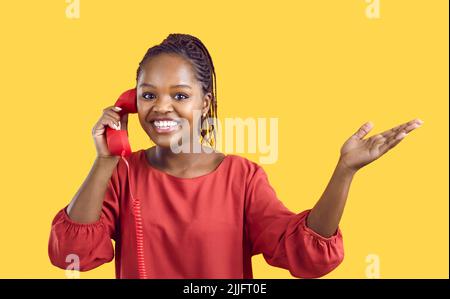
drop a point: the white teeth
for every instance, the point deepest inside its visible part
(165, 123)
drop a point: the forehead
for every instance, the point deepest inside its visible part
(167, 69)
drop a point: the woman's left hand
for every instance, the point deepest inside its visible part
(357, 152)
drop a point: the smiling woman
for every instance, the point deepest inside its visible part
(199, 214)
(183, 72)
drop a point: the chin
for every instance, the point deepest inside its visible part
(164, 141)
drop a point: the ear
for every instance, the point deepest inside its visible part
(207, 99)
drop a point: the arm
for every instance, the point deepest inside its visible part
(88, 238)
(86, 226)
(86, 206)
(355, 153)
(325, 216)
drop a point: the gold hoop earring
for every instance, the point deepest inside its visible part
(206, 133)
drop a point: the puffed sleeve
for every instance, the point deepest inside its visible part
(90, 242)
(283, 237)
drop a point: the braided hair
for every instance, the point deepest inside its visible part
(195, 52)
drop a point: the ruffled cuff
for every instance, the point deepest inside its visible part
(307, 230)
(64, 216)
(310, 254)
(89, 241)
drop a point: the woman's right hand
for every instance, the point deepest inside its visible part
(111, 118)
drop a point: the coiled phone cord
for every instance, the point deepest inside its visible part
(138, 225)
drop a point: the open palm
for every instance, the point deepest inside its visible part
(358, 152)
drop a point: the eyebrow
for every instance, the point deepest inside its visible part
(151, 85)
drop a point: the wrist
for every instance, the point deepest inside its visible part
(107, 159)
(343, 168)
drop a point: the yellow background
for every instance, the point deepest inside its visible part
(322, 67)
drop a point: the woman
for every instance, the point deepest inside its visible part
(204, 214)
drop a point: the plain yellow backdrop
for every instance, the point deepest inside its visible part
(322, 67)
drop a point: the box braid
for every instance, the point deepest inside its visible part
(194, 51)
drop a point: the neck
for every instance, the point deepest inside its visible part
(165, 158)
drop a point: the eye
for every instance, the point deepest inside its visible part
(183, 96)
(148, 95)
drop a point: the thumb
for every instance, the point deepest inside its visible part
(124, 122)
(363, 130)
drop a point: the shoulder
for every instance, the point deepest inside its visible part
(244, 167)
(241, 161)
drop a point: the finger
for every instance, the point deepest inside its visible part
(112, 114)
(404, 129)
(115, 116)
(124, 121)
(101, 124)
(391, 142)
(393, 131)
(114, 108)
(411, 127)
(363, 130)
(111, 122)
(388, 146)
(408, 126)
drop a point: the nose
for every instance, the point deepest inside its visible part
(162, 105)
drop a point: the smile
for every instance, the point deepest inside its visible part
(165, 126)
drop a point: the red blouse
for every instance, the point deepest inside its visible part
(204, 227)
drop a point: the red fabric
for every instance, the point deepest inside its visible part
(204, 227)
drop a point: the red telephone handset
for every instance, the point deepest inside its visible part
(118, 144)
(117, 140)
